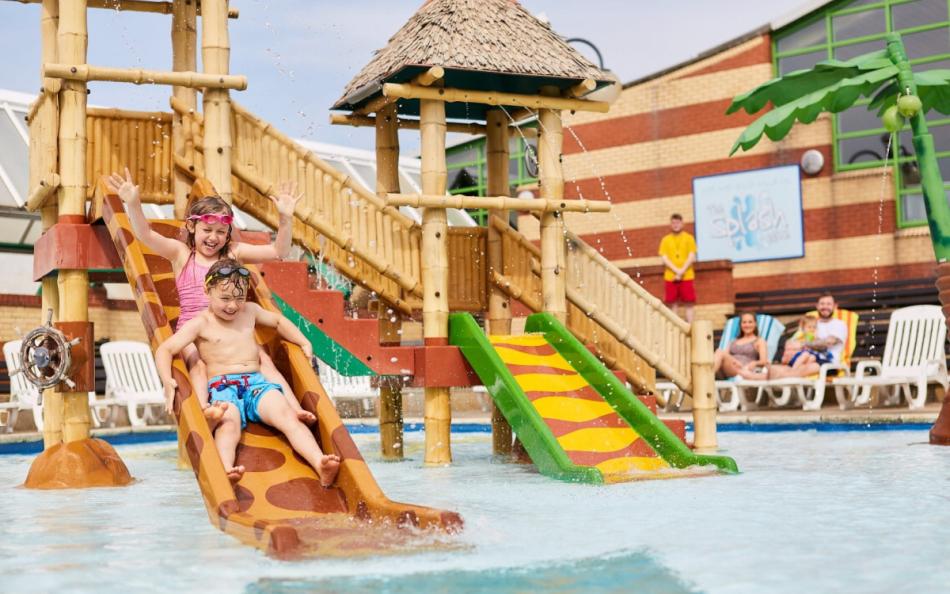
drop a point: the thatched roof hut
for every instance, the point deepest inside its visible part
(486, 45)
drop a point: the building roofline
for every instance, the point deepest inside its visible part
(788, 18)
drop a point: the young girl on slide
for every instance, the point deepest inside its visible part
(209, 239)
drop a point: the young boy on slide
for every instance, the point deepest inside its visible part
(224, 336)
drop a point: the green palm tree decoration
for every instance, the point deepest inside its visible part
(833, 85)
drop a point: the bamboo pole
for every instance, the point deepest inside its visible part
(73, 284)
(139, 76)
(551, 180)
(430, 76)
(136, 6)
(42, 192)
(43, 161)
(582, 88)
(184, 59)
(356, 120)
(435, 305)
(390, 388)
(215, 57)
(704, 387)
(497, 203)
(551, 102)
(499, 312)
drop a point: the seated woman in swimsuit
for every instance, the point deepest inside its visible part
(746, 356)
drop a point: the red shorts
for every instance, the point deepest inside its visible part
(680, 291)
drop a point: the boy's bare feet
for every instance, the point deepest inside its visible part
(215, 412)
(327, 469)
(306, 417)
(235, 473)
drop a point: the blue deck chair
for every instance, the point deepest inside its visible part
(770, 329)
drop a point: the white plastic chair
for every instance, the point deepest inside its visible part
(729, 394)
(341, 387)
(914, 356)
(133, 381)
(26, 396)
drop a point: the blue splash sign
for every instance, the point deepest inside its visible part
(750, 215)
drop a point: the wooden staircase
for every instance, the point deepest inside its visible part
(378, 247)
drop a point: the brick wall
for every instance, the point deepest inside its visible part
(112, 319)
(663, 132)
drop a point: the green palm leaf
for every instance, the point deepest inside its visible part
(793, 85)
(933, 88)
(833, 98)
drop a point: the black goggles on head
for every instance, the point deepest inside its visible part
(227, 272)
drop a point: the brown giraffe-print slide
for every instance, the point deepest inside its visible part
(278, 505)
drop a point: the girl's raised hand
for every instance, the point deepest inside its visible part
(286, 198)
(124, 187)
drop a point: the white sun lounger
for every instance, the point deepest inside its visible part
(26, 396)
(132, 380)
(914, 356)
(342, 388)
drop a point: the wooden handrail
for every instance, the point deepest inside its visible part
(344, 240)
(337, 175)
(624, 279)
(624, 335)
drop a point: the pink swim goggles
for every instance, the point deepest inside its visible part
(212, 218)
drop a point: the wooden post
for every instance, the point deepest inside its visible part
(390, 389)
(499, 314)
(44, 128)
(73, 284)
(184, 58)
(704, 386)
(215, 57)
(551, 181)
(435, 304)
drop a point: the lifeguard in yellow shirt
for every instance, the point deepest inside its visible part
(678, 250)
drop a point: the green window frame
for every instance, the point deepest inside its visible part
(518, 172)
(826, 49)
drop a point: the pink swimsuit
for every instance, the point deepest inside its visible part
(191, 290)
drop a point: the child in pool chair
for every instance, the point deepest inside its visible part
(224, 336)
(800, 350)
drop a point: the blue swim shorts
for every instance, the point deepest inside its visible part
(244, 391)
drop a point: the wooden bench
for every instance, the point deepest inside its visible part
(873, 302)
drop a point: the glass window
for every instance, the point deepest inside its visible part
(860, 24)
(802, 62)
(12, 229)
(909, 176)
(808, 36)
(460, 155)
(14, 158)
(463, 179)
(944, 167)
(941, 136)
(34, 233)
(912, 208)
(919, 13)
(927, 43)
(846, 52)
(367, 174)
(936, 65)
(858, 117)
(866, 149)
(513, 172)
(406, 183)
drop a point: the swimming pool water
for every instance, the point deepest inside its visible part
(811, 512)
